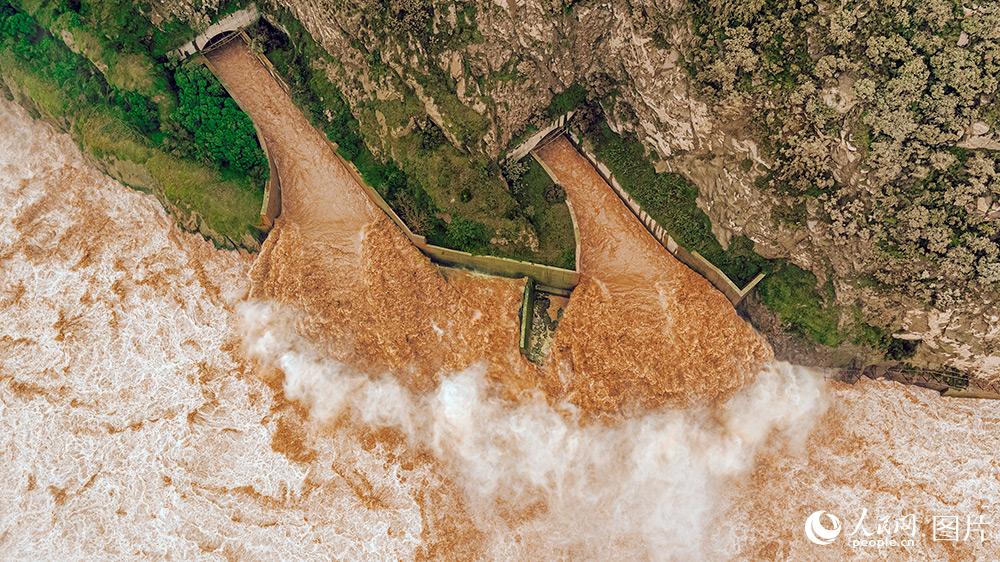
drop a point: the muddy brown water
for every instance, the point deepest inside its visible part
(137, 422)
(367, 295)
(641, 330)
(641, 324)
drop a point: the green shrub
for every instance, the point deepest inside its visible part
(138, 111)
(566, 101)
(555, 193)
(671, 199)
(431, 136)
(791, 293)
(469, 235)
(221, 133)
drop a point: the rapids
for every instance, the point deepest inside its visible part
(161, 398)
(641, 324)
(642, 330)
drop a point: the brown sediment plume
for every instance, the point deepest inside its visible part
(196, 472)
(117, 349)
(368, 296)
(882, 451)
(641, 328)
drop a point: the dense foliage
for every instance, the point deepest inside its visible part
(670, 199)
(219, 132)
(118, 100)
(790, 292)
(21, 36)
(868, 107)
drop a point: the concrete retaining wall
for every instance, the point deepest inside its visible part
(527, 315)
(554, 279)
(551, 279)
(233, 22)
(527, 146)
(271, 206)
(694, 260)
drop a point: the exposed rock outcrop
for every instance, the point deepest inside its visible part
(505, 60)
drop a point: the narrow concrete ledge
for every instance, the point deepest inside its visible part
(528, 145)
(694, 260)
(233, 22)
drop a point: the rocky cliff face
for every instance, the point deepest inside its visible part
(489, 69)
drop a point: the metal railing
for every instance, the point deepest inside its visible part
(221, 40)
(551, 136)
(937, 379)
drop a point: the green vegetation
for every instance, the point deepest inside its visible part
(220, 133)
(566, 101)
(122, 107)
(230, 204)
(902, 81)
(544, 203)
(454, 198)
(791, 293)
(410, 22)
(670, 199)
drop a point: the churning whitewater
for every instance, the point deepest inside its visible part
(152, 404)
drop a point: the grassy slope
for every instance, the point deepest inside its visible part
(423, 181)
(228, 203)
(230, 206)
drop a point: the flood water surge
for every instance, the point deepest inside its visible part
(642, 330)
(338, 396)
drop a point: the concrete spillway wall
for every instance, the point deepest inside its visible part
(552, 279)
(528, 145)
(233, 22)
(271, 206)
(950, 383)
(694, 260)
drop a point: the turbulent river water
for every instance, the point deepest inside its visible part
(338, 396)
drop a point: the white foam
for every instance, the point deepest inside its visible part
(652, 482)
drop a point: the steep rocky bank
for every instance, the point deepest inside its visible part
(504, 62)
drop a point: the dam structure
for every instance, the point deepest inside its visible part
(566, 162)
